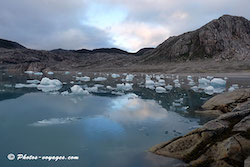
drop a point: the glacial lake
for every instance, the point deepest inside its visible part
(110, 126)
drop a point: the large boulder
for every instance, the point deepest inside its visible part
(223, 142)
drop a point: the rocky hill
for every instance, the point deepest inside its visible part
(221, 44)
(226, 38)
(10, 45)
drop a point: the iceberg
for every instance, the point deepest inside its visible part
(169, 87)
(76, 89)
(47, 85)
(98, 79)
(25, 85)
(28, 72)
(92, 89)
(218, 82)
(129, 77)
(110, 88)
(85, 78)
(115, 75)
(50, 73)
(65, 93)
(38, 73)
(33, 81)
(204, 81)
(160, 90)
(209, 90)
(124, 87)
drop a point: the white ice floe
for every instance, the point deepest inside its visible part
(72, 82)
(169, 87)
(50, 73)
(47, 85)
(233, 87)
(149, 82)
(28, 72)
(77, 90)
(191, 82)
(65, 93)
(218, 82)
(161, 82)
(99, 85)
(177, 85)
(160, 89)
(210, 77)
(92, 89)
(79, 73)
(195, 88)
(132, 96)
(54, 121)
(209, 90)
(176, 104)
(25, 85)
(33, 81)
(98, 79)
(85, 78)
(110, 88)
(38, 73)
(117, 93)
(129, 77)
(204, 81)
(189, 77)
(67, 72)
(115, 75)
(124, 86)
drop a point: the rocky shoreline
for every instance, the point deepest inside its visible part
(222, 142)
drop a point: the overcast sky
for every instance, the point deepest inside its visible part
(126, 24)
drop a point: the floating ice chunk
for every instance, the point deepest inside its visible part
(129, 77)
(169, 87)
(176, 81)
(203, 81)
(149, 82)
(225, 78)
(98, 79)
(79, 73)
(210, 77)
(47, 85)
(218, 82)
(38, 73)
(76, 89)
(195, 88)
(50, 73)
(85, 78)
(54, 121)
(191, 82)
(72, 82)
(92, 89)
(110, 88)
(117, 93)
(115, 75)
(33, 81)
(132, 96)
(189, 77)
(209, 90)
(177, 85)
(124, 87)
(160, 90)
(65, 93)
(28, 72)
(161, 82)
(99, 85)
(67, 72)
(25, 85)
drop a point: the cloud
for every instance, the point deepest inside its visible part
(128, 24)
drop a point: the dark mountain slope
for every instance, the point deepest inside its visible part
(10, 45)
(226, 38)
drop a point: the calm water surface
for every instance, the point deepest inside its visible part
(103, 129)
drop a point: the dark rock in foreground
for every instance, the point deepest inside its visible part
(223, 142)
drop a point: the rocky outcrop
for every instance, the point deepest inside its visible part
(226, 38)
(223, 142)
(237, 100)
